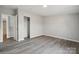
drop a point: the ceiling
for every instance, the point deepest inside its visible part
(46, 11)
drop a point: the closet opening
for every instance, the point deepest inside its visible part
(26, 27)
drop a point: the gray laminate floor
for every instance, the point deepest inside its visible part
(42, 45)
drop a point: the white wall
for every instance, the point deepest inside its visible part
(62, 26)
(35, 24)
(25, 27)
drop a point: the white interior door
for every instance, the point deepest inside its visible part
(12, 27)
(15, 27)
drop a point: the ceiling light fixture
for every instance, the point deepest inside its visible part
(44, 5)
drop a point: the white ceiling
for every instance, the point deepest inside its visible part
(49, 10)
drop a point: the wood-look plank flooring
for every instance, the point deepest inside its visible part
(42, 45)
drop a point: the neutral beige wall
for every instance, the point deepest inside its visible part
(63, 26)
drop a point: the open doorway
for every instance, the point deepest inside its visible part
(26, 28)
(9, 30)
(4, 33)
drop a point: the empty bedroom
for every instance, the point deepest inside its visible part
(39, 29)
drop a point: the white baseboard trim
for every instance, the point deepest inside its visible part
(37, 36)
(33, 36)
(63, 38)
